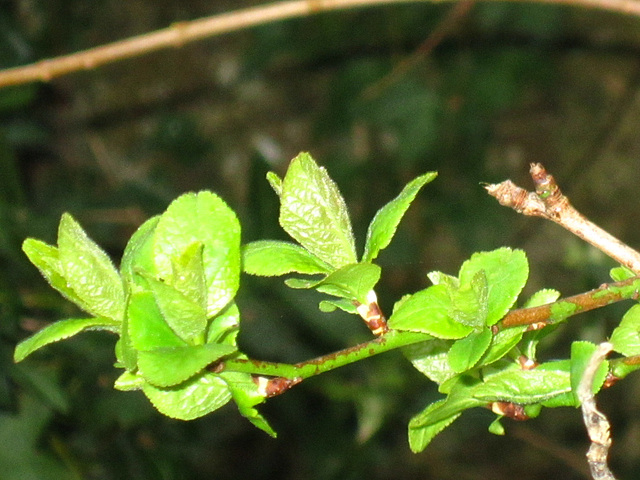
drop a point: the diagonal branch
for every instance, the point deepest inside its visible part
(549, 202)
(182, 33)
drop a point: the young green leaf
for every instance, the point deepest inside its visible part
(523, 386)
(224, 327)
(245, 393)
(465, 352)
(626, 336)
(430, 359)
(46, 258)
(168, 366)
(328, 306)
(271, 258)
(314, 213)
(421, 435)
(89, 271)
(542, 297)
(188, 276)
(187, 318)
(469, 301)
(352, 282)
(427, 311)
(506, 271)
(201, 218)
(192, 399)
(138, 256)
(503, 342)
(621, 273)
(61, 330)
(386, 221)
(147, 328)
(581, 353)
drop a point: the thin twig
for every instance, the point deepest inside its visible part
(549, 202)
(182, 33)
(596, 423)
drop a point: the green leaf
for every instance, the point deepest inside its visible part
(328, 306)
(506, 271)
(128, 382)
(523, 386)
(46, 258)
(60, 330)
(621, 273)
(430, 359)
(469, 301)
(276, 182)
(147, 328)
(420, 436)
(427, 311)
(496, 427)
(503, 342)
(542, 297)
(89, 271)
(168, 366)
(188, 275)
(186, 318)
(465, 353)
(201, 218)
(246, 395)
(314, 213)
(352, 282)
(192, 399)
(581, 353)
(626, 336)
(272, 258)
(138, 256)
(225, 326)
(386, 221)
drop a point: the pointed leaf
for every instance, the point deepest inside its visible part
(421, 435)
(185, 317)
(147, 328)
(272, 258)
(626, 336)
(542, 297)
(225, 326)
(46, 258)
(89, 271)
(581, 353)
(246, 395)
(523, 386)
(466, 352)
(314, 213)
(201, 218)
(192, 399)
(386, 221)
(61, 330)
(506, 271)
(428, 311)
(138, 256)
(164, 367)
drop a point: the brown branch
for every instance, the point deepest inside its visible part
(182, 33)
(549, 202)
(552, 312)
(596, 423)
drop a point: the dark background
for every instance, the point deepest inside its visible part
(507, 85)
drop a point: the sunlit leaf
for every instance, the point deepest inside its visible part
(314, 213)
(581, 353)
(224, 327)
(201, 218)
(138, 256)
(61, 330)
(421, 435)
(89, 271)
(506, 272)
(245, 393)
(523, 386)
(465, 352)
(430, 358)
(427, 311)
(189, 400)
(626, 336)
(147, 328)
(386, 221)
(274, 258)
(164, 367)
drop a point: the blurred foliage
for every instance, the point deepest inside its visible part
(510, 84)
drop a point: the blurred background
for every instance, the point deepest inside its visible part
(378, 96)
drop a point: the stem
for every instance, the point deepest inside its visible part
(182, 33)
(553, 312)
(549, 202)
(390, 341)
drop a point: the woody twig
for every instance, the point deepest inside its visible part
(548, 202)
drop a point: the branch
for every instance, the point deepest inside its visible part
(596, 423)
(182, 33)
(549, 202)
